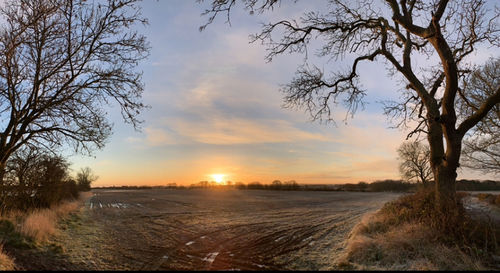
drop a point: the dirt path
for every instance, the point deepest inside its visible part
(214, 230)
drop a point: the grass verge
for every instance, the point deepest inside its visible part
(400, 236)
(24, 231)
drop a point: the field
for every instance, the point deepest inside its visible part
(214, 230)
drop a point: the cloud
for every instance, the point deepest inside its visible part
(158, 137)
(230, 131)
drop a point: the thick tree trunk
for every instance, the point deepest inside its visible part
(448, 212)
(445, 187)
(444, 164)
(444, 167)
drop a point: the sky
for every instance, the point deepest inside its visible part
(216, 108)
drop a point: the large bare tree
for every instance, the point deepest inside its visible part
(425, 43)
(61, 63)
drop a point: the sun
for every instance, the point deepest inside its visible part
(218, 178)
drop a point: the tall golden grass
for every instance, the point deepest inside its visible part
(6, 262)
(41, 223)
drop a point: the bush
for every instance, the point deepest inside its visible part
(419, 207)
(36, 180)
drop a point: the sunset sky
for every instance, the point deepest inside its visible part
(216, 109)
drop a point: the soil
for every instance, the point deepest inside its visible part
(208, 230)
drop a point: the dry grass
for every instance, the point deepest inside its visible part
(41, 224)
(6, 262)
(398, 238)
(38, 225)
(374, 245)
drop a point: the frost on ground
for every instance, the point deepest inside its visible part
(216, 230)
(482, 209)
(211, 257)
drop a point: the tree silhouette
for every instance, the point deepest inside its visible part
(84, 178)
(414, 162)
(61, 61)
(442, 32)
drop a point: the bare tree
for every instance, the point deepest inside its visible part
(482, 146)
(414, 162)
(61, 62)
(84, 178)
(442, 32)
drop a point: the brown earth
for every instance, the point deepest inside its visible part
(208, 230)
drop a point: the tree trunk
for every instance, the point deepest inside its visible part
(445, 187)
(444, 166)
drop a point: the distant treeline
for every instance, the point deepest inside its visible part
(387, 185)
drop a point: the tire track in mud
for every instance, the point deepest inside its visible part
(236, 230)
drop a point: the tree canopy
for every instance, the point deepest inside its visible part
(61, 63)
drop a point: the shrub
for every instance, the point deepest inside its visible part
(35, 179)
(419, 207)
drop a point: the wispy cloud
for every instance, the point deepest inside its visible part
(228, 131)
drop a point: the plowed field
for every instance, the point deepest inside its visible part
(215, 230)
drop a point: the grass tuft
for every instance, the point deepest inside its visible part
(39, 225)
